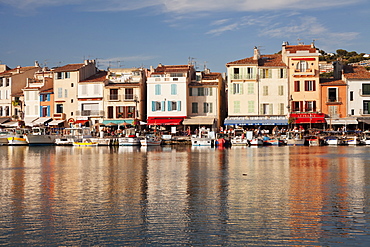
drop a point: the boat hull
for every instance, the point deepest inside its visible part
(129, 141)
(17, 140)
(40, 139)
(202, 142)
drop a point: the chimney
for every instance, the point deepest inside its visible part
(18, 69)
(338, 67)
(256, 53)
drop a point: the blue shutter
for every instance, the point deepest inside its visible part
(163, 106)
(48, 112)
(40, 111)
(153, 105)
(169, 105)
(179, 105)
(40, 98)
(48, 97)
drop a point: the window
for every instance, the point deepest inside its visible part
(194, 107)
(351, 96)
(280, 90)
(251, 106)
(236, 106)
(281, 109)
(176, 75)
(265, 90)
(173, 89)
(297, 86)
(236, 73)
(1, 82)
(302, 66)
(157, 106)
(236, 70)
(249, 73)
(65, 93)
(296, 106)
(265, 73)
(266, 109)
(59, 75)
(365, 89)
(110, 112)
(157, 89)
(60, 92)
(310, 106)
(44, 97)
(129, 93)
(172, 105)
(59, 108)
(207, 107)
(67, 75)
(237, 88)
(7, 82)
(332, 95)
(125, 111)
(208, 91)
(366, 106)
(333, 111)
(113, 94)
(309, 86)
(352, 111)
(250, 88)
(282, 73)
(200, 91)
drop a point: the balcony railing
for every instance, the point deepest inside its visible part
(337, 100)
(90, 113)
(242, 77)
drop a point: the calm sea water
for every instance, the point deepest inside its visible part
(185, 196)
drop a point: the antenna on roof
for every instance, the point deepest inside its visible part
(299, 41)
(205, 65)
(119, 64)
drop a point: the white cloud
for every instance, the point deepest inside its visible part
(183, 6)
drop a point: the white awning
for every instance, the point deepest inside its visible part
(56, 122)
(198, 121)
(28, 120)
(341, 121)
(10, 124)
(41, 120)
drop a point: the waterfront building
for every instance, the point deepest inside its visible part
(12, 81)
(167, 95)
(90, 99)
(38, 101)
(206, 101)
(66, 81)
(257, 90)
(304, 84)
(358, 94)
(125, 96)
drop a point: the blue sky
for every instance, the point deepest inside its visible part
(129, 33)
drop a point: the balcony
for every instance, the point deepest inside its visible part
(242, 77)
(334, 101)
(90, 113)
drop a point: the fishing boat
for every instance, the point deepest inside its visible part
(351, 140)
(239, 141)
(267, 141)
(18, 137)
(333, 140)
(71, 134)
(39, 136)
(129, 139)
(314, 140)
(294, 139)
(84, 143)
(151, 140)
(365, 140)
(205, 138)
(256, 142)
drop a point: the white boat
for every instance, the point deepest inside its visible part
(4, 136)
(151, 140)
(366, 138)
(38, 136)
(84, 143)
(256, 142)
(333, 140)
(129, 141)
(205, 138)
(294, 139)
(351, 140)
(18, 137)
(239, 141)
(314, 140)
(104, 141)
(71, 134)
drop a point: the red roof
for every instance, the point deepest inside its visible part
(69, 67)
(98, 77)
(356, 72)
(295, 48)
(274, 60)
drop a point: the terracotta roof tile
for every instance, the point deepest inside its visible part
(356, 72)
(69, 67)
(101, 76)
(274, 60)
(295, 48)
(331, 82)
(15, 70)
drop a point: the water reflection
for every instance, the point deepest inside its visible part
(184, 195)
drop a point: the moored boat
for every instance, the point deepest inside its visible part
(333, 140)
(256, 142)
(151, 140)
(38, 136)
(84, 143)
(272, 141)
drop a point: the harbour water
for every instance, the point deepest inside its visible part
(185, 196)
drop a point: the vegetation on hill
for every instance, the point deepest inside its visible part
(343, 55)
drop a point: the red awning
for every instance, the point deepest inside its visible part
(82, 122)
(306, 118)
(164, 121)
